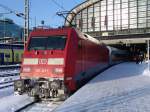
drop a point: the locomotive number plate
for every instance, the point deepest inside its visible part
(43, 61)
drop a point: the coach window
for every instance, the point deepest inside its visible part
(17, 57)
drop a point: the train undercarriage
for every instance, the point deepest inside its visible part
(41, 88)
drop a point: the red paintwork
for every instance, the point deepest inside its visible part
(79, 54)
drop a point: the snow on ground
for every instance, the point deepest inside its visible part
(44, 106)
(13, 102)
(6, 92)
(121, 88)
(8, 101)
(8, 78)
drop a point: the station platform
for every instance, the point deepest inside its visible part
(122, 88)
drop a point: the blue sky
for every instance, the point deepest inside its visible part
(39, 10)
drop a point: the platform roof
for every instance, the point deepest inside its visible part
(133, 38)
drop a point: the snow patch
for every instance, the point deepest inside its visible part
(6, 92)
(13, 102)
(146, 72)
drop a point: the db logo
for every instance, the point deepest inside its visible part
(43, 61)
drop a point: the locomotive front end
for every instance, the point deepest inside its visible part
(45, 78)
(43, 66)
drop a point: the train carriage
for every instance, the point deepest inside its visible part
(8, 54)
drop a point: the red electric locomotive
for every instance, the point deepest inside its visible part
(59, 61)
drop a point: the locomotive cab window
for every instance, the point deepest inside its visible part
(47, 43)
(56, 42)
(37, 43)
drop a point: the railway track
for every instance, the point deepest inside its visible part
(9, 81)
(5, 67)
(7, 78)
(41, 106)
(9, 74)
(6, 84)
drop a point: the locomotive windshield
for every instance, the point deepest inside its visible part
(47, 43)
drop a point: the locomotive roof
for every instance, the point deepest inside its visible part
(87, 37)
(80, 34)
(48, 29)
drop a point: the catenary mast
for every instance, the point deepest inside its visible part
(26, 23)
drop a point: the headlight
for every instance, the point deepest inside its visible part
(18, 83)
(58, 70)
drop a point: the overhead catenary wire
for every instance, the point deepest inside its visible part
(12, 11)
(62, 13)
(59, 5)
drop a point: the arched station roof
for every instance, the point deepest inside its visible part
(113, 19)
(77, 9)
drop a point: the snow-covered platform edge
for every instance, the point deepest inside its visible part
(122, 88)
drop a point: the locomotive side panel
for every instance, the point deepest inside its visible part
(71, 61)
(94, 58)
